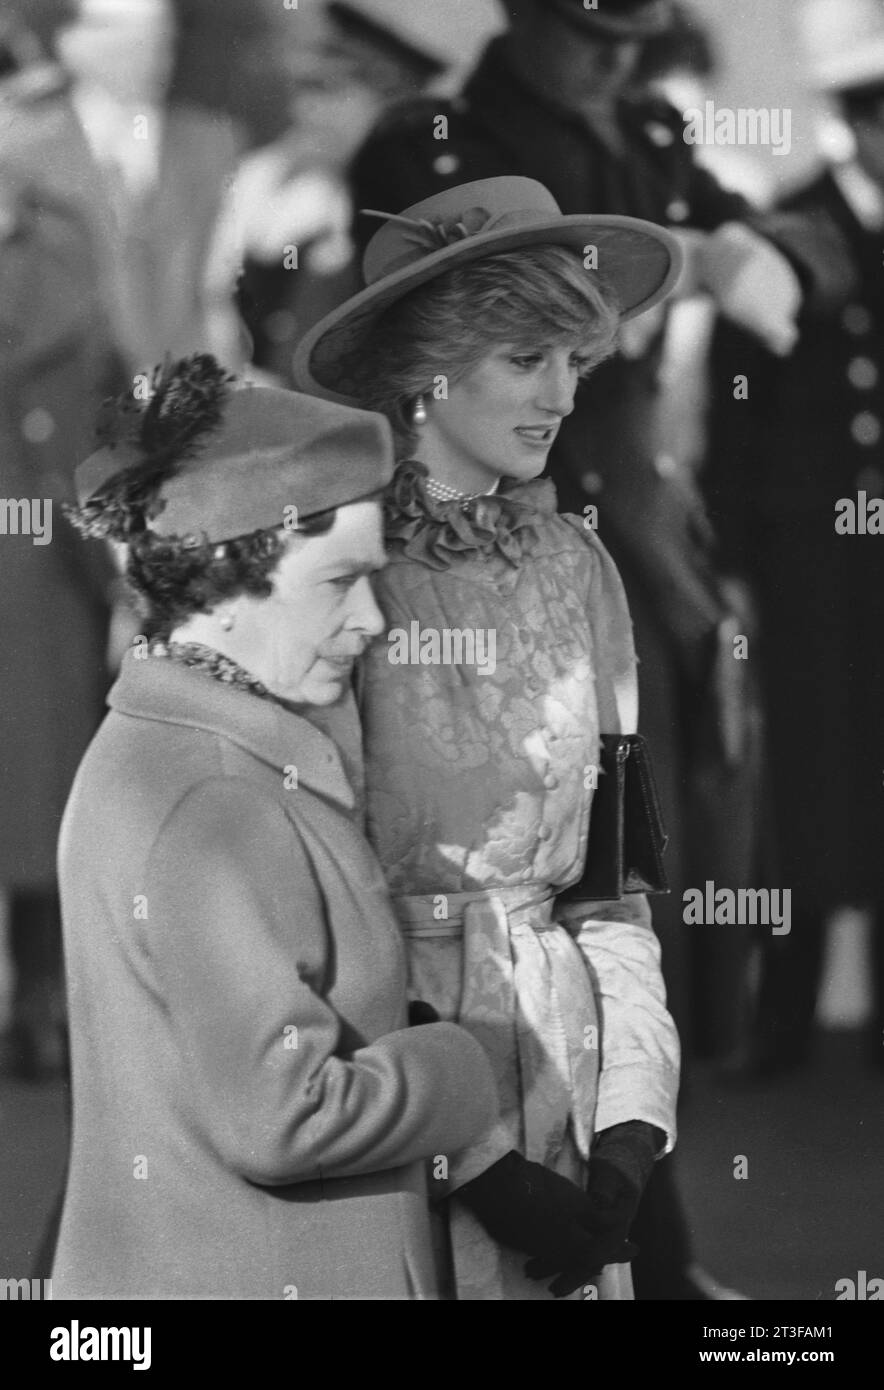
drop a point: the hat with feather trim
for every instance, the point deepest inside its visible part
(204, 457)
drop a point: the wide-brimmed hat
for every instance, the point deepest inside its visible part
(206, 458)
(638, 262)
(615, 19)
(844, 43)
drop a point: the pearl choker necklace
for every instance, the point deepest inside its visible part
(444, 492)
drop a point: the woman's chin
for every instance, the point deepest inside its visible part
(522, 469)
(320, 691)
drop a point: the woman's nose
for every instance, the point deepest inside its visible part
(557, 389)
(364, 612)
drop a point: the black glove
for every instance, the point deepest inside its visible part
(420, 1013)
(621, 1163)
(530, 1208)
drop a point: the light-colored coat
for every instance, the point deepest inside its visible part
(250, 1111)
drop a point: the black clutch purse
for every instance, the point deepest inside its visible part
(627, 838)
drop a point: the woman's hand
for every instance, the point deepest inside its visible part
(530, 1208)
(621, 1163)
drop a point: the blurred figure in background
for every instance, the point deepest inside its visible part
(294, 195)
(113, 158)
(808, 434)
(554, 99)
(57, 361)
(169, 94)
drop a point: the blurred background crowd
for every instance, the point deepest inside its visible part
(186, 175)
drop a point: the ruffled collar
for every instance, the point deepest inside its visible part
(438, 533)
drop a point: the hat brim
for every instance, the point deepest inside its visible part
(639, 263)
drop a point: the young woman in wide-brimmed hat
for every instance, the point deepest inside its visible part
(508, 653)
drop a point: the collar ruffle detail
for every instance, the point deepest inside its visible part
(438, 533)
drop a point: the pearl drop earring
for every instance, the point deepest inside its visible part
(419, 414)
(227, 622)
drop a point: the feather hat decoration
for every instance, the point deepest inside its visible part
(209, 456)
(148, 439)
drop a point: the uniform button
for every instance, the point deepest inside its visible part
(870, 480)
(446, 164)
(678, 210)
(592, 482)
(862, 373)
(865, 428)
(665, 465)
(38, 426)
(544, 833)
(659, 134)
(856, 320)
(550, 781)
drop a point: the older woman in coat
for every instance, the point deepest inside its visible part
(250, 1107)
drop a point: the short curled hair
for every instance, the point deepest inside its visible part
(536, 297)
(175, 578)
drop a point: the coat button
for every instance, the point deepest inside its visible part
(856, 320)
(550, 781)
(862, 373)
(665, 465)
(544, 833)
(678, 210)
(866, 428)
(592, 483)
(446, 164)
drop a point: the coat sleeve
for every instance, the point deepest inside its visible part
(241, 952)
(640, 1054)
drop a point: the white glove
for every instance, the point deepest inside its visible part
(753, 285)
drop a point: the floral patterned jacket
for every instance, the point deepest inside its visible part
(476, 772)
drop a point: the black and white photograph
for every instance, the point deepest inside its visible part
(441, 666)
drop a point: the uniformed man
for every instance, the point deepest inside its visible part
(551, 99)
(808, 436)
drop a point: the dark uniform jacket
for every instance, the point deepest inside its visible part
(808, 435)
